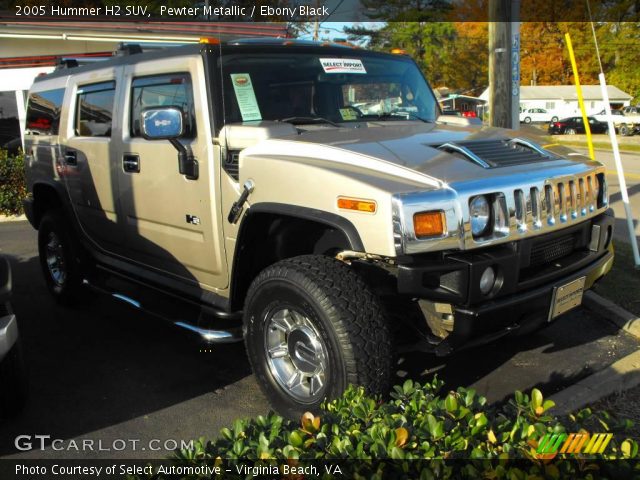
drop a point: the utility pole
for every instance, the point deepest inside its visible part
(504, 63)
(316, 26)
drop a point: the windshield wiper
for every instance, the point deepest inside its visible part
(399, 114)
(302, 120)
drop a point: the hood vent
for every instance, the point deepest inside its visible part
(499, 153)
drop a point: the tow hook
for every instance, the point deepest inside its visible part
(236, 208)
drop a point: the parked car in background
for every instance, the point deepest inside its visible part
(13, 384)
(629, 110)
(601, 116)
(537, 115)
(574, 125)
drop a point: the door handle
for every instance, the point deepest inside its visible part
(71, 158)
(131, 163)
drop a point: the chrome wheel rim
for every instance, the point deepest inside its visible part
(296, 354)
(55, 259)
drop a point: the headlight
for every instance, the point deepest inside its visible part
(480, 212)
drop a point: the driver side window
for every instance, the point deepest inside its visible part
(169, 90)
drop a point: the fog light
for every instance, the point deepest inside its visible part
(487, 280)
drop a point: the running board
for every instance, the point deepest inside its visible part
(211, 326)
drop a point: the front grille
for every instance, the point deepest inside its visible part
(549, 251)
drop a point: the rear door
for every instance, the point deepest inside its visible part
(87, 148)
(172, 224)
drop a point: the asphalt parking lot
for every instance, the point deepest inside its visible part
(104, 371)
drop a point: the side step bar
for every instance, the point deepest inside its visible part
(210, 325)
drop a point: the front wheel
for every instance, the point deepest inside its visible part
(312, 328)
(625, 131)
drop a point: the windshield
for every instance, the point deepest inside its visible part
(307, 87)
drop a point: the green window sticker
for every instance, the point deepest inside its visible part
(246, 97)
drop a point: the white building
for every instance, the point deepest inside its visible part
(562, 100)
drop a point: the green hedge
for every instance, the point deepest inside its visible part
(418, 434)
(12, 183)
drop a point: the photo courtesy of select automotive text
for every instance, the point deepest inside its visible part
(319, 239)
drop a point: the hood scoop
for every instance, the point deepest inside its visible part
(498, 153)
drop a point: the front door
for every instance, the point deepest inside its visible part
(172, 224)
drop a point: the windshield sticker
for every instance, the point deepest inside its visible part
(348, 114)
(246, 97)
(342, 65)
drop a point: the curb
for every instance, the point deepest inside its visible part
(623, 374)
(624, 319)
(18, 218)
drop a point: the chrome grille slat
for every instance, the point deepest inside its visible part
(558, 203)
(574, 199)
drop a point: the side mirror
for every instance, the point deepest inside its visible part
(161, 123)
(166, 124)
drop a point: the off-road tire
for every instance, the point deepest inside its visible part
(347, 315)
(13, 382)
(70, 290)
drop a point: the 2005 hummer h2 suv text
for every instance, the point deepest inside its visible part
(309, 199)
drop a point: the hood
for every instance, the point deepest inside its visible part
(415, 145)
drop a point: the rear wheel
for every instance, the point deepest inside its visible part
(312, 328)
(59, 257)
(554, 119)
(625, 131)
(527, 120)
(570, 131)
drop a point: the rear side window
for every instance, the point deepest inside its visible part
(171, 90)
(94, 109)
(43, 111)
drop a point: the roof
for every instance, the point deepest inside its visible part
(236, 45)
(566, 92)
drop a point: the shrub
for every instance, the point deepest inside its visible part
(417, 434)
(12, 183)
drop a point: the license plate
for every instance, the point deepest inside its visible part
(566, 297)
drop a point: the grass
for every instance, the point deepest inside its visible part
(601, 145)
(622, 285)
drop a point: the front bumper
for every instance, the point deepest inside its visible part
(528, 310)
(528, 270)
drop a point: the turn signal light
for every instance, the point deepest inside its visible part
(209, 40)
(429, 224)
(357, 204)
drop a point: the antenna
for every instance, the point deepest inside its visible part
(616, 151)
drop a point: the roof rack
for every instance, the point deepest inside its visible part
(125, 49)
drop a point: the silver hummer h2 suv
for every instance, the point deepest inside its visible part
(308, 199)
